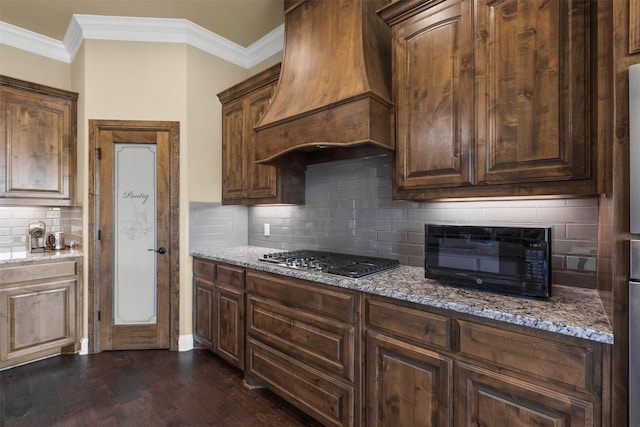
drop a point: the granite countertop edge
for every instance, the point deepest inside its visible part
(23, 256)
(571, 311)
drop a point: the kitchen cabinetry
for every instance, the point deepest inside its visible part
(352, 358)
(243, 181)
(40, 306)
(634, 27)
(492, 99)
(37, 144)
(228, 340)
(219, 309)
(419, 360)
(203, 292)
(303, 343)
(407, 382)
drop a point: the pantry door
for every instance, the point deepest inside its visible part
(135, 250)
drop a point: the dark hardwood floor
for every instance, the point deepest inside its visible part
(138, 388)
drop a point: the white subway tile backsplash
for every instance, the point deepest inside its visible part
(462, 215)
(512, 214)
(555, 215)
(14, 223)
(212, 225)
(349, 209)
(591, 201)
(391, 236)
(583, 264)
(425, 215)
(392, 214)
(589, 231)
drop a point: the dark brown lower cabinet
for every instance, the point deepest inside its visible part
(430, 367)
(406, 385)
(486, 397)
(229, 324)
(349, 358)
(324, 397)
(203, 290)
(40, 306)
(218, 318)
(303, 343)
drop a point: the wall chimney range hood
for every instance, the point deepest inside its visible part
(333, 99)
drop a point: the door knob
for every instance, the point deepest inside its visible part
(161, 250)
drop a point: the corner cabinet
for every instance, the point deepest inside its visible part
(243, 181)
(219, 309)
(492, 98)
(40, 310)
(37, 144)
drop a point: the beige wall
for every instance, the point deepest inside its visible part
(146, 81)
(23, 65)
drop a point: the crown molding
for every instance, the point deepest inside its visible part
(159, 30)
(20, 38)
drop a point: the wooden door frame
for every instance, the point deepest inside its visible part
(93, 292)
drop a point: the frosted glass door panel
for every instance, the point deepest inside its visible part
(135, 233)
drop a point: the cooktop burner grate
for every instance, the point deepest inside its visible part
(355, 266)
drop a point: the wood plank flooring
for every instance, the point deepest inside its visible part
(138, 388)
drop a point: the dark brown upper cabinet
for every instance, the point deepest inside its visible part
(243, 181)
(37, 144)
(492, 98)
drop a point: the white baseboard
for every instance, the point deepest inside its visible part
(84, 346)
(185, 342)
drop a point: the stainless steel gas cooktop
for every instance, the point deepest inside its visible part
(354, 266)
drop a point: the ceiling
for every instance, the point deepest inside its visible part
(240, 21)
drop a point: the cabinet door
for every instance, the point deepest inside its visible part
(532, 74)
(36, 319)
(234, 172)
(203, 315)
(229, 324)
(433, 83)
(489, 399)
(406, 386)
(261, 179)
(35, 142)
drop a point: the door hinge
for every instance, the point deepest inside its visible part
(99, 153)
(99, 315)
(99, 234)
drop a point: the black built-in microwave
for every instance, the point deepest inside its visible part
(514, 260)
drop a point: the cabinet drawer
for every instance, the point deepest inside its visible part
(416, 325)
(319, 341)
(560, 362)
(330, 302)
(230, 276)
(37, 271)
(328, 400)
(204, 268)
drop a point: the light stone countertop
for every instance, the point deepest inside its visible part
(570, 311)
(20, 256)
